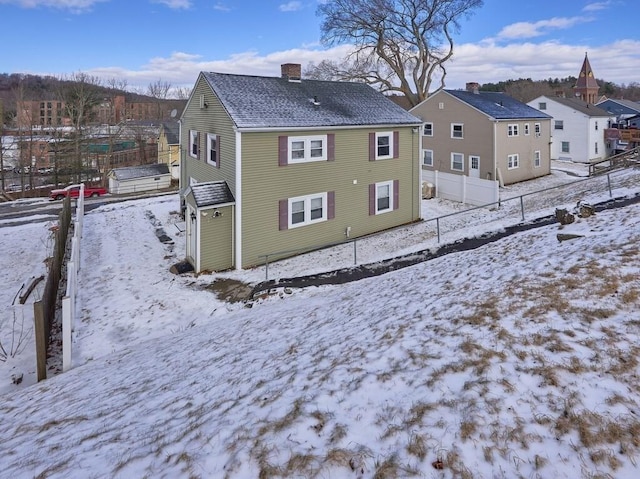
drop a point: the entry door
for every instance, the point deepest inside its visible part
(474, 166)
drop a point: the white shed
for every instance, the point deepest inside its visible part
(133, 179)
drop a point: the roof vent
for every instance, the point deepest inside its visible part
(291, 71)
(315, 101)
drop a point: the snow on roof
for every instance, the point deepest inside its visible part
(271, 102)
(212, 193)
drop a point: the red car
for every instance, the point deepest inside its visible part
(73, 191)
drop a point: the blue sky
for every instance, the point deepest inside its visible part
(146, 40)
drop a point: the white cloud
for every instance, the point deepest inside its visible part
(175, 4)
(221, 7)
(542, 27)
(593, 7)
(290, 6)
(488, 62)
(491, 63)
(74, 6)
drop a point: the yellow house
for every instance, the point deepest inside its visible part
(169, 147)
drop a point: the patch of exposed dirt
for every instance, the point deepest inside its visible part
(230, 290)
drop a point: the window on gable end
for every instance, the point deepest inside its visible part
(213, 150)
(193, 143)
(457, 130)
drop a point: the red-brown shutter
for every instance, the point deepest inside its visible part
(331, 147)
(396, 144)
(331, 205)
(283, 214)
(217, 151)
(372, 146)
(372, 199)
(283, 150)
(198, 145)
(396, 194)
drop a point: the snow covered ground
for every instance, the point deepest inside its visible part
(518, 359)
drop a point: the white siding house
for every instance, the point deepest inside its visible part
(577, 128)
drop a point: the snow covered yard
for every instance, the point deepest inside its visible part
(518, 359)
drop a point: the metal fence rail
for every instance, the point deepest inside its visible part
(518, 207)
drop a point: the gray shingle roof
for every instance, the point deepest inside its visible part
(498, 105)
(143, 171)
(172, 132)
(212, 193)
(581, 106)
(272, 102)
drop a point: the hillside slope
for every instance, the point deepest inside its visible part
(518, 359)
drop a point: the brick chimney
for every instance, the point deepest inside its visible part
(473, 87)
(291, 71)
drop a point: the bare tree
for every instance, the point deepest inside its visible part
(26, 136)
(81, 94)
(182, 93)
(115, 121)
(399, 45)
(159, 91)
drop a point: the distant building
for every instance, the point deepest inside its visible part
(32, 113)
(110, 111)
(586, 88)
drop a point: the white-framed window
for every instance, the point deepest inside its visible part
(306, 210)
(212, 149)
(427, 157)
(457, 130)
(542, 105)
(303, 149)
(513, 161)
(193, 143)
(384, 197)
(512, 129)
(428, 129)
(384, 145)
(536, 159)
(596, 127)
(565, 147)
(474, 162)
(536, 129)
(457, 161)
(526, 129)
(559, 125)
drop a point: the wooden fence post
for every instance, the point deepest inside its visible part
(40, 331)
